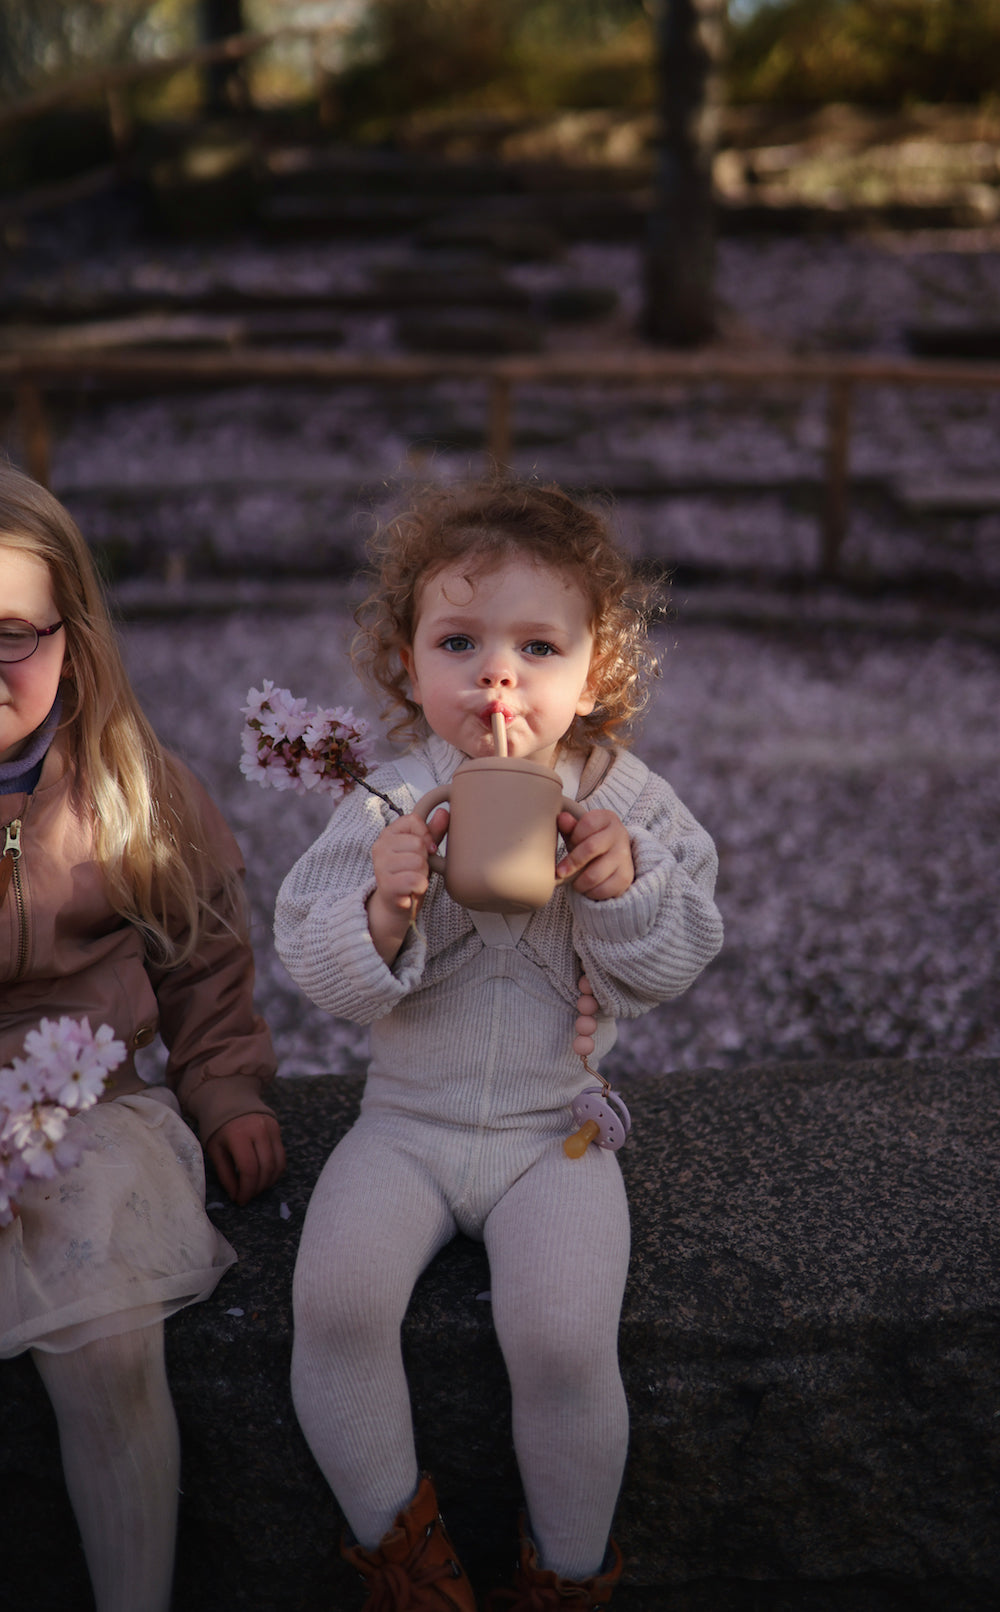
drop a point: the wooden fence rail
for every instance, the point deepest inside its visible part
(28, 375)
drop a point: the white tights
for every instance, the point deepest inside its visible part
(557, 1241)
(121, 1457)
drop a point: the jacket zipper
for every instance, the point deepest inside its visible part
(12, 848)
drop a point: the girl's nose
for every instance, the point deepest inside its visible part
(494, 677)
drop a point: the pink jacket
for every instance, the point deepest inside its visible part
(64, 950)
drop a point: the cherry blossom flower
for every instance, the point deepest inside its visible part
(64, 1071)
(18, 1086)
(287, 746)
(42, 1142)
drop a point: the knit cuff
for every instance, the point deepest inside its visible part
(630, 916)
(333, 958)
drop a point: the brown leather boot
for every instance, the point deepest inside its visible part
(414, 1567)
(536, 1589)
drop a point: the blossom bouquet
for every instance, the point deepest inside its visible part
(64, 1070)
(288, 746)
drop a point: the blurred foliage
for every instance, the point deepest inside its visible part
(875, 52)
(490, 53)
(44, 42)
(401, 56)
(546, 54)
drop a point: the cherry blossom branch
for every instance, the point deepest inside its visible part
(288, 746)
(64, 1071)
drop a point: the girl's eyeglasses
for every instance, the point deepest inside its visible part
(19, 639)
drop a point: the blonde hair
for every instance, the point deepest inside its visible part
(145, 825)
(483, 523)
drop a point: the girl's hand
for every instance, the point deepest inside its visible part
(399, 861)
(599, 863)
(248, 1155)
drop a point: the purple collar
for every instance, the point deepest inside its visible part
(21, 775)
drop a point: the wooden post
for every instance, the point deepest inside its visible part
(120, 121)
(838, 448)
(34, 429)
(679, 265)
(499, 439)
(225, 85)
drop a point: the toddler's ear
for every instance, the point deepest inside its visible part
(406, 656)
(588, 699)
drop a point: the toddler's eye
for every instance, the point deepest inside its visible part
(540, 647)
(456, 643)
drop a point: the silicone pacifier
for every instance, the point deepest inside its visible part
(602, 1118)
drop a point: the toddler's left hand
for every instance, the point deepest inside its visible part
(599, 862)
(248, 1155)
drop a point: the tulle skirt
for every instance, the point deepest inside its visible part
(119, 1241)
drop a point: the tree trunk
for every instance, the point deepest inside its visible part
(680, 245)
(225, 89)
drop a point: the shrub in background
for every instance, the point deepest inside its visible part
(875, 52)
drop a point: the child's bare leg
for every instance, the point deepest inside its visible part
(375, 1220)
(121, 1456)
(558, 1243)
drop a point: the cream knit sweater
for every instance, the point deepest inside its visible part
(476, 1035)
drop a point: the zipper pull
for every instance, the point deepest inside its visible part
(9, 855)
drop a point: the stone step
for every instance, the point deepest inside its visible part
(955, 338)
(808, 1345)
(972, 495)
(356, 170)
(574, 215)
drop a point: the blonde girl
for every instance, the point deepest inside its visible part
(512, 598)
(120, 902)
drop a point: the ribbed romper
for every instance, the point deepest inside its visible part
(465, 1109)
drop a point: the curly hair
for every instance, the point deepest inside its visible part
(483, 523)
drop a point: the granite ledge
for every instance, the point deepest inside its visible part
(809, 1341)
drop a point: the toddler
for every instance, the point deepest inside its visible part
(493, 597)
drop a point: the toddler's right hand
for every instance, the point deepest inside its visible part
(399, 857)
(399, 861)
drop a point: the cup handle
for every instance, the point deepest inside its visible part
(425, 805)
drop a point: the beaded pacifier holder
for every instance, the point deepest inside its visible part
(599, 1112)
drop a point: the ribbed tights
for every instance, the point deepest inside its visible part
(121, 1457)
(557, 1241)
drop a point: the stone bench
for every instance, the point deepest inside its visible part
(810, 1341)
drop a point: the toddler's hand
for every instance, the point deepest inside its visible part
(399, 860)
(399, 857)
(599, 862)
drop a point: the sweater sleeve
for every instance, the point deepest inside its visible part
(652, 942)
(321, 922)
(220, 1054)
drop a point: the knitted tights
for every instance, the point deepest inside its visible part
(557, 1241)
(121, 1457)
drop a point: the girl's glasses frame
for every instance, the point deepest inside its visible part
(19, 639)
